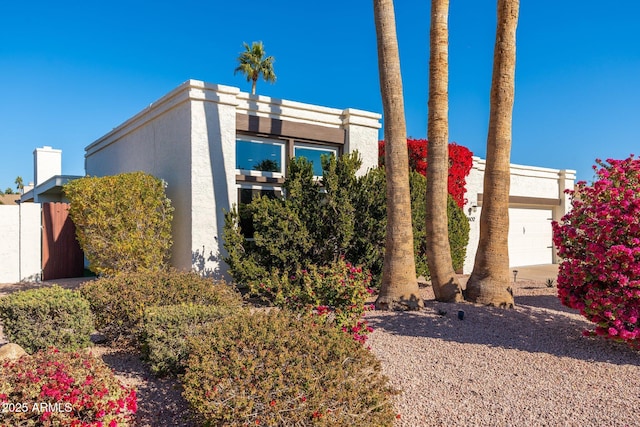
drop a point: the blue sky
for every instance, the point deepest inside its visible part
(70, 71)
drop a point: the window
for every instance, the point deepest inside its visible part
(256, 156)
(314, 155)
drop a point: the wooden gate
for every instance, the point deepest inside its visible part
(61, 253)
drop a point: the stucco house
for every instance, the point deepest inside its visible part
(216, 146)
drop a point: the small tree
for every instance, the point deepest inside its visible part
(123, 222)
(253, 64)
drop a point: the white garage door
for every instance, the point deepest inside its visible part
(530, 240)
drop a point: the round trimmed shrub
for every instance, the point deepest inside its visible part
(277, 368)
(53, 388)
(167, 329)
(118, 302)
(40, 318)
(599, 241)
(123, 222)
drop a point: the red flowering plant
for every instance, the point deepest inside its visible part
(335, 293)
(599, 241)
(53, 388)
(460, 163)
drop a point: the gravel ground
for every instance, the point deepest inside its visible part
(529, 366)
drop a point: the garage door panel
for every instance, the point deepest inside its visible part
(530, 237)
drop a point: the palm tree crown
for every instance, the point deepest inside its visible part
(252, 64)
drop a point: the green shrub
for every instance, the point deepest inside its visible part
(118, 303)
(280, 369)
(123, 222)
(317, 223)
(166, 330)
(40, 318)
(340, 287)
(458, 226)
(53, 388)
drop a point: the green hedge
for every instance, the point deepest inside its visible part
(166, 330)
(48, 317)
(118, 302)
(280, 369)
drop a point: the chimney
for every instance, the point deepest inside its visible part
(47, 162)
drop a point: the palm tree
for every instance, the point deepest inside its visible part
(19, 183)
(489, 282)
(399, 289)
(444, 281)
(252, 64)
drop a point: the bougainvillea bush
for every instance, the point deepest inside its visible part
(599, 241)
(53, 388)
(460, 164)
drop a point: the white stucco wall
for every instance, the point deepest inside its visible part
(156, 141)
(526, 181)
(47, 163)
(213, 190)
(362, 135)
(20, 251)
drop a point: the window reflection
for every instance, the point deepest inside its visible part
(314, 155)
(259, 156)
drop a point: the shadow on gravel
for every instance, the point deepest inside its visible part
(529, 328)
(160, 400)
(549, 302)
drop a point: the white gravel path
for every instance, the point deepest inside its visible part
(529, 366)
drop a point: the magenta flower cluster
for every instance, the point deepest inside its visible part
(53, 388)
(599, 241)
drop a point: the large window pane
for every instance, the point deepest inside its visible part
(314, 155)
(259, 156)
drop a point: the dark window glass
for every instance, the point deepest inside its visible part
(259, 156)
(245, 196)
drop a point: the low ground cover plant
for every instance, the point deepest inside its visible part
(279, 368)
(39, 318)
(118, 302)
(123, 222)
(53, 388)
(599, 241)
(167, 329)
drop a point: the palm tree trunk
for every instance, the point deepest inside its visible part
(253, 85)
(399, 289)
(490, 282)
(444, 281)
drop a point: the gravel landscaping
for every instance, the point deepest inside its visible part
(522, 367)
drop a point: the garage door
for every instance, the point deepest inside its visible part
(530, 240)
